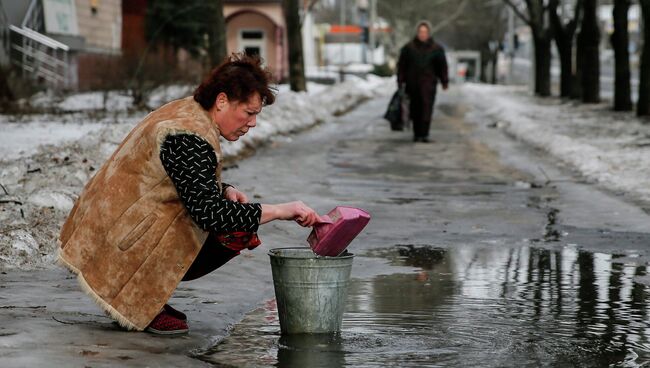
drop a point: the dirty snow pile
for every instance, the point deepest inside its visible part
(46, 159)
(606, 147)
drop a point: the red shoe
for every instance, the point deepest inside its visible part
(166, 324)
(175, 313)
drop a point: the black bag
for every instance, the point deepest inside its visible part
(397, 112)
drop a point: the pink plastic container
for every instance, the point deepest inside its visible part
(340, 226)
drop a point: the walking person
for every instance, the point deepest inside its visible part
(422, 64)
(156, 213)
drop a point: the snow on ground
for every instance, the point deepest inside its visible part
(108, 100)
(19, 140)
(607, 147)
(312, 88)
(48, 158)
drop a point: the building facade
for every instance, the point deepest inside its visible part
(77, 39)
(258, 27)
(59, 42)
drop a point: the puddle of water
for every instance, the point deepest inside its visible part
(469, 306)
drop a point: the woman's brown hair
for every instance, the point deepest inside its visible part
(239, 76)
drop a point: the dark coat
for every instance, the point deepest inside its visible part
(421, 65)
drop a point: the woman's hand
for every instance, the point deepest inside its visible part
(297, 211)
(234, 195)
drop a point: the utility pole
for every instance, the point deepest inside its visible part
(371, 30)
(342, 39)
(511, 44)
(362, 9)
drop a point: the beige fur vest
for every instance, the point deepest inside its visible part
(129, 237)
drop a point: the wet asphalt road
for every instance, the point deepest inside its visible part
(473, 192)
(497, 255)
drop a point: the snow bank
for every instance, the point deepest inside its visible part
(53, 156)
(294, 111)
(24, 139)
(88, 101)
(609, 148)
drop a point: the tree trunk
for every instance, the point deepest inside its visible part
(589, 38)
(576, 81)
(495, 66)
(542, 44)
(620, 42)
(294, 35)
(643, 105)
(485, 59)
(564, 35)
(542, 36)
(6, 95)
(566, 67)
(217, 49)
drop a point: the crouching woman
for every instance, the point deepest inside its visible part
(156, 213)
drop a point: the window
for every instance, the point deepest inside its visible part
(252, 35)
(252, 42)
(252, 50)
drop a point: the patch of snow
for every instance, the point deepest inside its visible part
(312, 88)
(110, 100)
(23, 241)
(164, 94)
(607, 147)
(359, 68)
(47, 198)
(522, 184)
(23, 139)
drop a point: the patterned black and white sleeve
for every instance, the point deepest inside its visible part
(190, 162)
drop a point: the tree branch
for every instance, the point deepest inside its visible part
(556, 22)
(519, 13)
(451, 18)
(311, 4)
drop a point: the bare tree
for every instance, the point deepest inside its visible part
(459, 11)
(537, 20)
(217, 48)
(457, 24)
(294, 35)
(620, 41)
(589, 41)
(564, 34)
(481, 27)
(444, 16)
(643, 105)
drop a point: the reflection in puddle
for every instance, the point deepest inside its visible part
(470, 306)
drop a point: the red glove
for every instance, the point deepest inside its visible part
(239, 240)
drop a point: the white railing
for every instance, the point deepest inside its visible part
(40, 57)
(36, 55)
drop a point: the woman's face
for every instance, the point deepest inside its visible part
(423, 33)
(235, 118)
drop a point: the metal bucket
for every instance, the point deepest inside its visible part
(311, 291)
